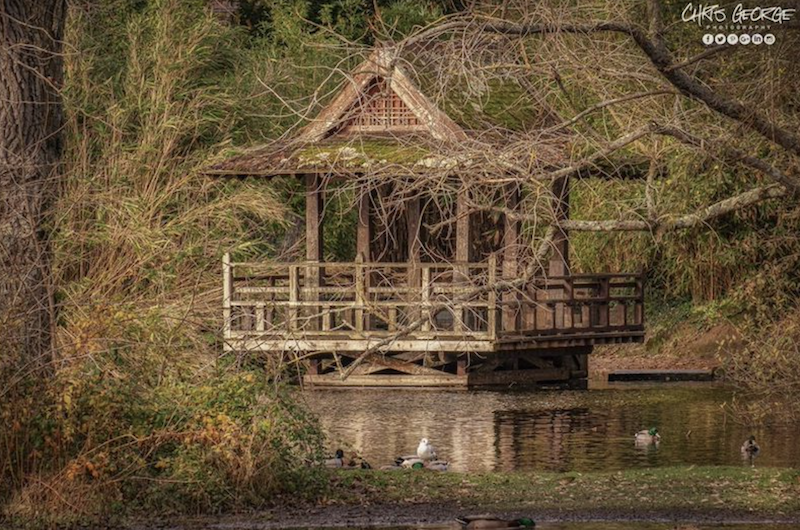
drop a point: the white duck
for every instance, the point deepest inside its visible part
(425, 450)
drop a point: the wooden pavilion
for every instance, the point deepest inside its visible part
(463, 332)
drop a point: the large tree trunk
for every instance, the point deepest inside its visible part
(31, 71)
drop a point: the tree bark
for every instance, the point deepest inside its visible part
(31, 73)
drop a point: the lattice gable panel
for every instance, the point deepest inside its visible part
(380, 109)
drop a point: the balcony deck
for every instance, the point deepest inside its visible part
(436, 324)
(350, 307)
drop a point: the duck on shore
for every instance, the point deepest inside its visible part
(425, 458)
(648, 437)
(488, 522)
(409, 462)
(437, 465)
(750, 447)
(356, 462)
(336, 461)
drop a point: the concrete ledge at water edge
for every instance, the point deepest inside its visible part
(664, 376)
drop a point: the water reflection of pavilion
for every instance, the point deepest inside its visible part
(558, 431)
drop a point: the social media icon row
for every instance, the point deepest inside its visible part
(744, 38)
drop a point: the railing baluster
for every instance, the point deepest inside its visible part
(227, 292)
(459, 320)
(426, 298)
(604, 304)
(492, 304)
(269, 312)
(294, 291)
(639, 302)
(360, 294)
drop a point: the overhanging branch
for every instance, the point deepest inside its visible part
(707, 214)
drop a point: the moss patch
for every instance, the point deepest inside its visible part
(360, 153)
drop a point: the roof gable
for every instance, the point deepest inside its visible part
(380, 98)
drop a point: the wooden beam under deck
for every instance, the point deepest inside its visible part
(334, 380)
(543, 343)
(483, 379)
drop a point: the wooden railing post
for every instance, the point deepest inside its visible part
(638, 312)
(426, 298)
(605, 308)
(460, 274)
(227, 292)
(294, 291)
(492, 309)
(569, 297)
(360, 295)
(269, 311)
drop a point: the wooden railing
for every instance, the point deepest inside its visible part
(453, 300)
(577, 303)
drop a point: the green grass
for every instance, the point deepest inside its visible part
(737, 489)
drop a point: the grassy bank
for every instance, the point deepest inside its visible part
(739, 490)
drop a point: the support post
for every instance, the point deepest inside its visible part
(364, 227)
(559, 263)
(314, 246)
(363, 255)
(414, 223)
(463, 254)
(491, 316)
(426, 299)
(510, 258)
(463, 226)
(360, 298)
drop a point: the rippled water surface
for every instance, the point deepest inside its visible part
(611, 526)
(553, 431)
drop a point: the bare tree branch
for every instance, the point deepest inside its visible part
(718, 209)
(534, 268)
(659, 56)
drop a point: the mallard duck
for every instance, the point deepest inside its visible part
(648, 437)
(413, 463)
(356, 462)
(486, 522)
(400, 460)
(437, 465)
(750, 447)
(337, 460)
(425, 450)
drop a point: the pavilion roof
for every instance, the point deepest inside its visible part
(382, 119)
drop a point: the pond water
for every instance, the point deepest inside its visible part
(604, 526)
(549, 430)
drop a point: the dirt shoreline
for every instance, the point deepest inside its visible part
(386, 515)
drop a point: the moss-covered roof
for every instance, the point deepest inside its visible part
(339, 154)
(449, 115)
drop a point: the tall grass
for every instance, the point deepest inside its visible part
(142, 412)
